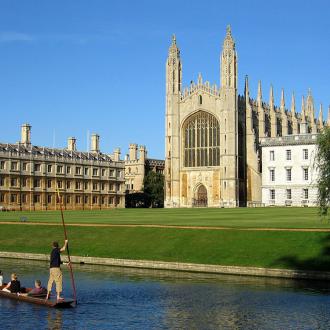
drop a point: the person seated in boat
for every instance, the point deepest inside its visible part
(1, 278)
(14, 286)
(37, 291)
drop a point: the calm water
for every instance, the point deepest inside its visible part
(116, 298)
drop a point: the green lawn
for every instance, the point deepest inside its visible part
(273, 249)
(233, 218)
(293, 250)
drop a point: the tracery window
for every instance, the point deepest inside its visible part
(201, 140)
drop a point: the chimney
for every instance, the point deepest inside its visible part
(116, 155)
(72, 145)
(133, 151)
(95, 143)
(26, 134)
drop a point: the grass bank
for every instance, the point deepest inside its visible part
(292, 250)
(232, 218)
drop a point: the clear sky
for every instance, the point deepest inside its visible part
(72, 66)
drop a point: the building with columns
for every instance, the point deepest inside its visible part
(213, 135)
(30, 176)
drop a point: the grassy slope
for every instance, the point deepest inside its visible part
(240, 217)
(294, 250)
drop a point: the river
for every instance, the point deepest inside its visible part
(121, 298)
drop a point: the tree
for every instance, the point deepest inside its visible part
(133, 200)
(323, 164)
(154, 189)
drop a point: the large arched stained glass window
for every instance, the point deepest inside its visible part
(201, 140)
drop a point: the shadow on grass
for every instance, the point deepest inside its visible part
(319, 263)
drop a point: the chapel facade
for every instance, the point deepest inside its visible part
(212, 134)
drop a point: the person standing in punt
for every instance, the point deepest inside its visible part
(55, 273)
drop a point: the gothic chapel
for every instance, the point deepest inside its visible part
(212, 135)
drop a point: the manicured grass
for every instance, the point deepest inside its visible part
(233, 218)
(293, 250)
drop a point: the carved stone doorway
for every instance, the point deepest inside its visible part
(200, 199)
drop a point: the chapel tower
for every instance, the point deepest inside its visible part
(172, 128)
(201, 139)
(229, 121)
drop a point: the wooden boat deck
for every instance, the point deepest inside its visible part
(40, 300)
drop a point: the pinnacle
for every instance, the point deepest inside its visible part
(228, 30)
(259, 97)
(271, 95)
(282, 100)
(246, 85)
(293, 103)
(173, 39)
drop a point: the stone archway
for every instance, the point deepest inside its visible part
(200, 199)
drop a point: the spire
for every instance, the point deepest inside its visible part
(200, 79)
(282, 101)
(293, 115)
(321, 117)
(173, 39)
(310, 111)
(310, 105)
(228, 68)
(248, 110)
(328, 121)
(173, 69)
(174, 50)
(303, 115)
(293, 104)
(303, 123)
(271, 98)
(259, 97)
(272, 113)
(284, 116)
(246, 89)
(228, 30)
(229, 41)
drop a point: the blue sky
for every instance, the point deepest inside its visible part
(72, 66)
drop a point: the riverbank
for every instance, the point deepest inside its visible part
(304, 251)
(177, 266)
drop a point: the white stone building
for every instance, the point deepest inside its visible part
(289, 176)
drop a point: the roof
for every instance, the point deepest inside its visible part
(31, 150)
(297, 139)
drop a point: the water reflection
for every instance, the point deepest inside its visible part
(54, 319)
(118, 298)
